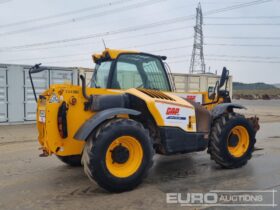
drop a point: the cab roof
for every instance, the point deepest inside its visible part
(109, 54)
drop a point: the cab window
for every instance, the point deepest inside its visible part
(139, 71)
(101, 75)
(126, 75)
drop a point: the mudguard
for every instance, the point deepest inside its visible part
(86, 129)
(225, 107)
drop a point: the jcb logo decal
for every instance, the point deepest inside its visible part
(172, 111)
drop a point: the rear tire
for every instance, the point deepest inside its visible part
(72, 160)
(119, 155)
(232, 140)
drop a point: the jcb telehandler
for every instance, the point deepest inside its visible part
(130, 112)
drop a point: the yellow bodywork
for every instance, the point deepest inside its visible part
(112, 53)
(49, 136)
(153, 109)
(206, 100)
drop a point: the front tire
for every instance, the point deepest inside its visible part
(232, 140)
(119, 155)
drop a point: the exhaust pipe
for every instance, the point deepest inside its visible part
(84, 87)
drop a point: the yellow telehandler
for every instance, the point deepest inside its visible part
(129, 112)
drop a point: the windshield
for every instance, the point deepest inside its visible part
(132, 71)
(139, 71)
(101, 74)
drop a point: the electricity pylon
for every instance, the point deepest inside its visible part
(197, 64)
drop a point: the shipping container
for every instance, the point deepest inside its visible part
(17, 103)
(197, 82)
(87, 73)
(3, 94)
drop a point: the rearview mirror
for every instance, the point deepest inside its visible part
(224, 77)
(211, 93)
(36, 68)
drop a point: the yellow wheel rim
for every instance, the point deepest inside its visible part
(133, 153)
(242, 143)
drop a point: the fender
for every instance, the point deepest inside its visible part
(86, 129)
(225, 107)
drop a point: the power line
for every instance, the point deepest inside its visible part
(102, 34)
(165, 49)
(152, 33)
(242, 37)
(230, 60)
(238, 58)
(243, 45)
(247, 61)
(182, 56)
(140, 45)
(242, 24)
(244, 56)
(148, 34)
(77, 54)
(85, 17)
(238, 6)
(72, 60)
(188, 46)
(141, 27)
(185, 61)
(109, 39)
(245, 17)
(95, 7)
(110, 4)
(48, 57)
(129, 47)
(161, 42)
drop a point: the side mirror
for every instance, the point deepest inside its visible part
(37, 68)
(224, 77)
(211, 93)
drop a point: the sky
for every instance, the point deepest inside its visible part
(67, 32)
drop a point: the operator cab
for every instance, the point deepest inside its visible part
(130, 70)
